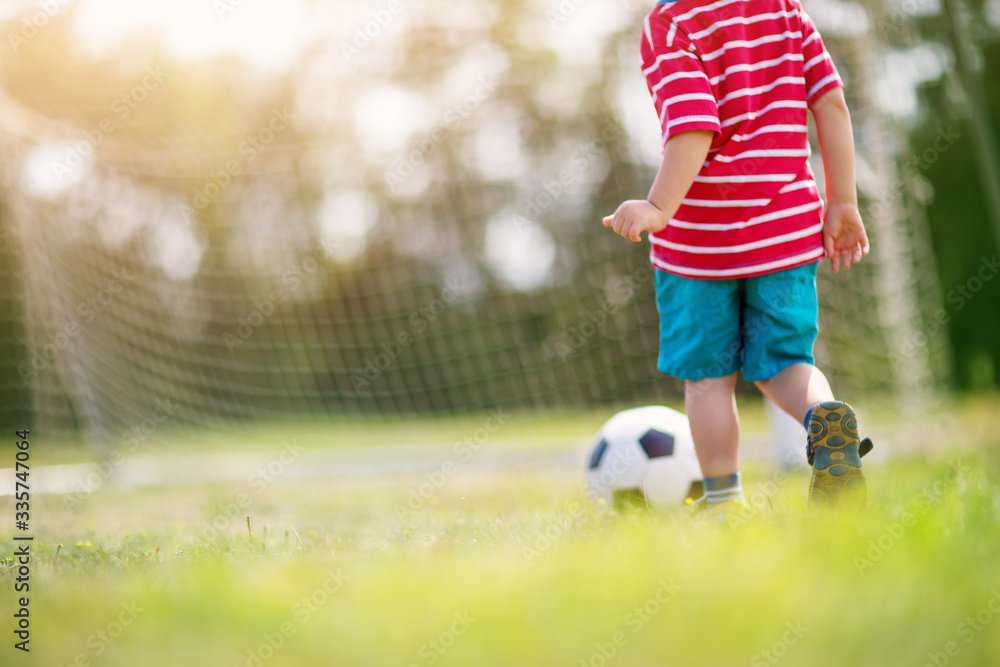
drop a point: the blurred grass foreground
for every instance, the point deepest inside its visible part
(511, 564)
(265, 267)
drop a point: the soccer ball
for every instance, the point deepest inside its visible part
(644, 455)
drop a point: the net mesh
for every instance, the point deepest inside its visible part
(234, 245)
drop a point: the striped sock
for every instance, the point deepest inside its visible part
(722, 488)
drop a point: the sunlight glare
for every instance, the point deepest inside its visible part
(267, 34)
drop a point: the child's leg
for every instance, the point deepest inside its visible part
(781, 318)
(796, 389)
(699, 336)
(836, 451)
(715, 425)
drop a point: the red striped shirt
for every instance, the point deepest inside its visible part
(747, 70)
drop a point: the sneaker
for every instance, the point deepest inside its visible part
(834, 452)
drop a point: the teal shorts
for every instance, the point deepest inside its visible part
(713, 328)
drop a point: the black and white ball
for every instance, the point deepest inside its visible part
(644, 455)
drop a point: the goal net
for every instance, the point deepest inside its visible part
(404, 219)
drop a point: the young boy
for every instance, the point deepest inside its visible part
(737, 227)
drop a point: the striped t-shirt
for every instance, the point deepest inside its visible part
(747, 70)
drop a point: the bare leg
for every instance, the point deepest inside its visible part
(715, 424)
(797, 389)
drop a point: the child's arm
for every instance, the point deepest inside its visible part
(844, 237)
(683, 158)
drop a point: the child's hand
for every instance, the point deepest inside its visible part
(844, 237)
(634, 217)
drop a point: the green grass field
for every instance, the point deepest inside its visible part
(514, 567)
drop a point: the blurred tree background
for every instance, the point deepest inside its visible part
(395, 208)
(965, 237)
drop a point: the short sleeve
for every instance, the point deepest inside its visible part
(820, 72)
(677, 81)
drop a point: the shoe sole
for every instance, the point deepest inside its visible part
(837, 476)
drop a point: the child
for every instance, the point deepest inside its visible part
(737, 227)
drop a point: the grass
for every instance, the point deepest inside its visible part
(516, 568)
(526, 427)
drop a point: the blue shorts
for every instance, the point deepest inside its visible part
(713, 328)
